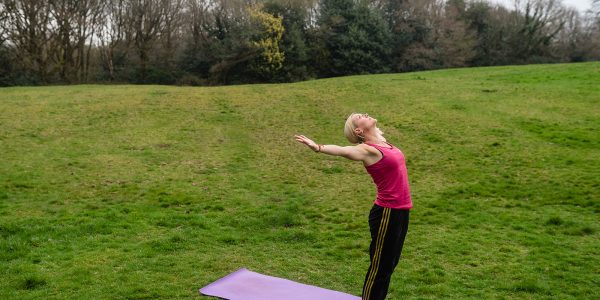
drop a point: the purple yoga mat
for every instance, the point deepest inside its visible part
(247, 285)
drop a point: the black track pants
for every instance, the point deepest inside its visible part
(388, 230)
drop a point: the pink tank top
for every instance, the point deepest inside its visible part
(391, 178)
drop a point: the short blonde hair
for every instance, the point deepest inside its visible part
(349, 130)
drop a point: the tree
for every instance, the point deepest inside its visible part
(4, 25)
(115, 37)
(170, 33)
(267, 39)
(492, 28)
(197, 56)
(294, 40)
(74, 23)
(354, 38)
(537, 23)
(27, 27)
(455, 41)
(432, 34)
(147, 21)
(231, 47)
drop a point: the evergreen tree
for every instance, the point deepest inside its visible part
(293, 43)
(354, 38)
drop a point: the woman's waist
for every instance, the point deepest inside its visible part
(401, 195)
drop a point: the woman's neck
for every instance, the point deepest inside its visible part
(378, 139)
(374, 136)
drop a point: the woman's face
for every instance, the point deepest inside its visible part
(364, 122)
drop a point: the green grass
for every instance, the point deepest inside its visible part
(155, 191)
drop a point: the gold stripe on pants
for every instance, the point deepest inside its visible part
(379, 247)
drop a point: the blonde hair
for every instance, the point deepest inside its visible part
(351, 134)
(349, 130)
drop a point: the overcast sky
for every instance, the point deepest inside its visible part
(581, 5)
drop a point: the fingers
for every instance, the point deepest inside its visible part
(302, 139)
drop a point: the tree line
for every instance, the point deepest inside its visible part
(209, 42)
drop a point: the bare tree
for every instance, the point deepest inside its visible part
(4, 25)
(89, 21)
(591, 21)
(171, 31)
(197, 20)
(454, 39)
(27, 27)
(595, 13)
(147, 19)
(74, 23)
(537, 24)
(114, 35)
(441, 38)
(571, 37)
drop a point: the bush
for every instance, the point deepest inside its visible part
(191, 80)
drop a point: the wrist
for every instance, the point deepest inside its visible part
(319, 148)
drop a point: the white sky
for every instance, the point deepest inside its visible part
(581, 5)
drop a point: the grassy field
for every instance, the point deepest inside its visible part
(135, 192)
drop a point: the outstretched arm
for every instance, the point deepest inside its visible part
(349, 152)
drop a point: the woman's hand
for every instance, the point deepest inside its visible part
(312, 145)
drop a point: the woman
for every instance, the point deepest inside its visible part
(388, 218)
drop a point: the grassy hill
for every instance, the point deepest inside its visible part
(121, 191)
